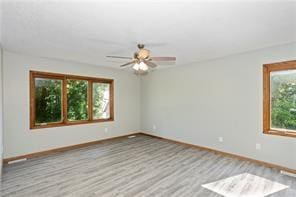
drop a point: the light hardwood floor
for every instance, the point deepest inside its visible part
(141, 166)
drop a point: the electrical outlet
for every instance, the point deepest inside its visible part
(258, 146)
(106, 130)
(220, 139)
(154, 127)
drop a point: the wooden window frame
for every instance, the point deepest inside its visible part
(64, 78)
(267, 69)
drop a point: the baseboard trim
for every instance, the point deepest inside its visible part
(63, 149)
(267, 164)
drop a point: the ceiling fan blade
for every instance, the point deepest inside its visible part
(126, 64)
(150, 64)
(163, 58)
(119, 57)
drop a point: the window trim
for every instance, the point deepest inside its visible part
(64, 77)
(267, 69)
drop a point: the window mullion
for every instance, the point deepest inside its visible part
(32, 101)
(111, 102)
(65, 100)
(90, 110)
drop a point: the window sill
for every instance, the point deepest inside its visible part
(62, 124)
(281, 133)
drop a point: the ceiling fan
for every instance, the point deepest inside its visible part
(142, 61)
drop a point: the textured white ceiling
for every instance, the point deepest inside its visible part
(87, 31)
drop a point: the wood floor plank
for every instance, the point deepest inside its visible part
(140, 166)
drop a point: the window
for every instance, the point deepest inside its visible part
(48, 100)
(77, 99)
(279, 99)
(101, 100)
(59, 100)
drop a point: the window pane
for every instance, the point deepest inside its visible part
(48, 97)
(101, 98)
(283, 100)
(77, 99)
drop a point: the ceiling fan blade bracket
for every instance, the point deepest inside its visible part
(136, 55)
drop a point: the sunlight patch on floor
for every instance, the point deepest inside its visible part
(245, 185)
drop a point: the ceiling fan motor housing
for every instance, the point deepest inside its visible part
(143, 54)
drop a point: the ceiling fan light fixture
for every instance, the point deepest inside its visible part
(136, 66)
(143, 66)
(140, 66)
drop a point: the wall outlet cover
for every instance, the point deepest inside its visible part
(258, 146)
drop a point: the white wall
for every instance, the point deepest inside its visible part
(1, 100)
(19, 139)
(294, 151)
(200, 102)
(1, 112)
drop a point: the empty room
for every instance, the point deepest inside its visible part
(144, 98)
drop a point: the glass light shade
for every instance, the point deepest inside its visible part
(136, 66)
(141, 66)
